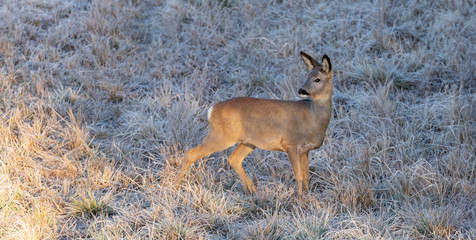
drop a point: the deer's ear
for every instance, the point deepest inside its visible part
(326, 64)
(310, 62)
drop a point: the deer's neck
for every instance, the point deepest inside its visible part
(321, 107)
(321, 111)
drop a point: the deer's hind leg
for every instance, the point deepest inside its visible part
(212, 143)
(236, 161)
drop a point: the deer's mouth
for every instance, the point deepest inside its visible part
(303, 93)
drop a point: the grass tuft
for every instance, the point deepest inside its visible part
(175, 229)
(268, 229)
(91, 206)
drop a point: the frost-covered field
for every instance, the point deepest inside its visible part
(101, 99)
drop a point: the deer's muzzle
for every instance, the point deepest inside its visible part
(303, 92)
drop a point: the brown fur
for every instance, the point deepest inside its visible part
(294, 127)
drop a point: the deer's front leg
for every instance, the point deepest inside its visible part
(304, 162)
(295, 159)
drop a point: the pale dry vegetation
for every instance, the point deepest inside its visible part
(100, 99)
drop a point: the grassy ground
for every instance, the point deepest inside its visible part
(100, 100)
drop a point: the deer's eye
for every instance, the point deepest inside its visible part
(317, 80)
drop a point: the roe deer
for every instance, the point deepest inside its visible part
(294, 127)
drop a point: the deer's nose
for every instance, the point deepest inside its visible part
(303, 92)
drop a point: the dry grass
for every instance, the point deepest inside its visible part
(99, 101)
